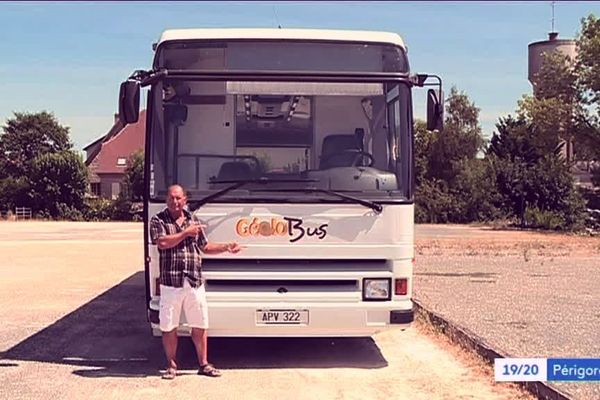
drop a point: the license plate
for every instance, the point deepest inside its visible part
(281, 317)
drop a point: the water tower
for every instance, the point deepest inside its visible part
(567, 47)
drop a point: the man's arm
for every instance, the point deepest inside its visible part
(216, 248)
(169, 241)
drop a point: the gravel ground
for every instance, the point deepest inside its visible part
(74, 327)
(526, 294)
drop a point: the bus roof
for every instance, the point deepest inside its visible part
(283, 34)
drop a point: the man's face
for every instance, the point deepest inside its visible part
(176, 200)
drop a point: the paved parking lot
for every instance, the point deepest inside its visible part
(526, 294)
(73, 326)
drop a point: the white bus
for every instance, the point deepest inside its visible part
(298, 144)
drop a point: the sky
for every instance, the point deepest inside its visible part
(69, 58)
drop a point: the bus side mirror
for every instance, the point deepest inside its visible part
(129, 102)
(435, 110)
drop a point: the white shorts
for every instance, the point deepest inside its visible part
(191, 300)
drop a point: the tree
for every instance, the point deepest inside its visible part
(588, 84)
(476, 193)
(587, 71)
(536, 184)
(549, 119)
(26, 136)
(424, 140)
(58, 184)
(588, 54)
(557, 78)
(461, 138)
(567, 94)
(14, 192)
(124, 207)
(450, 182)
(133, 181)
(434, 204)
(532, 178)
(558, 107)
(517, 140)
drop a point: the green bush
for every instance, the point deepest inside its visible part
(133, 181)
(42, 215)
(58, 184)
(475, 192)
(98, 209)
(122, 209)
(596, 176)
(472, 196)
(433, 203)
(536, 218)
(70, 213)
(591, 197)
(14, 192)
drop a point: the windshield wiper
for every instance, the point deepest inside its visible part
(242, 182)
(239, 183)
(370, 204)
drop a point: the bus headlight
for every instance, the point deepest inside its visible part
(376, 289)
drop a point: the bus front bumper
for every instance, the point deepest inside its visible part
(318, 319)
(401, 317)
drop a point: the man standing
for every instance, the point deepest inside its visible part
(180, 238)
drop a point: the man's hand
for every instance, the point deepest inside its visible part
(217, 248)
(233, 247)
(193, 230)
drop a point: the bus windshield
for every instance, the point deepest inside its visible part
(345, 137)
(335, 135)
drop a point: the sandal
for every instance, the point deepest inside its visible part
(209, 370)
(170, 373)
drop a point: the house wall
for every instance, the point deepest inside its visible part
(94, 178)
(110, 185)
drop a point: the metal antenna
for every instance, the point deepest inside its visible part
(553, 15)
(276, 18)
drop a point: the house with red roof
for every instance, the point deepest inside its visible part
(106, 157)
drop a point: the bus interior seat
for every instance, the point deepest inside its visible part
(235, 170)
(337, 144)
